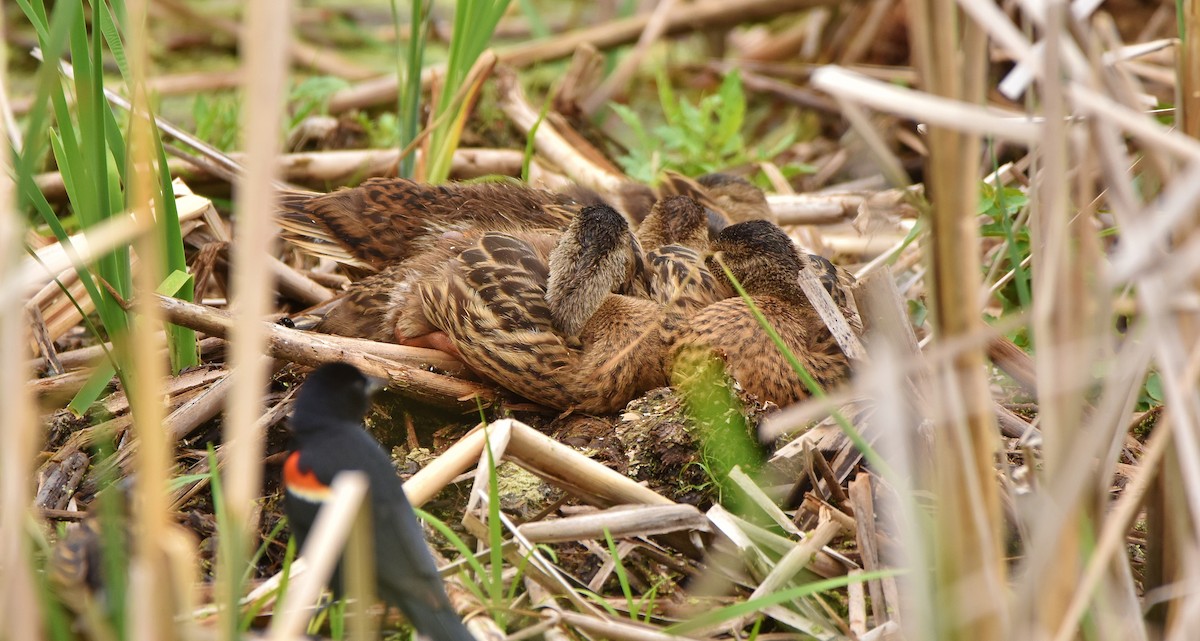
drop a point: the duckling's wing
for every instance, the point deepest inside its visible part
(491, 302)
(385, 220)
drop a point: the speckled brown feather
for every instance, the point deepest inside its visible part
(493, 303)
(384, 306)
(386, 220)
(676, 235)
(674, 220)
(767, 264)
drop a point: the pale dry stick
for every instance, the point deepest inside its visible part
(544, 571)
(749, 536)
(549, 142)
(1033, 64)
(550, 612)
(205, 149)
(275, 414)
(814, 209)
(313, 349)
(498, 437)
(441, 471)
(1092, 103)
(185, 381)
(605, 627)
(621, 522)
(863, 502)
(857, 605)
(620, 77)
(414, 356)
(576, 473)
(924, 107)
(185, 419)
(321, 553)
(1149, 239)
(608, 563)
(1111, 542)
(32, 273)
(1117, 397)
(835, 321)
(297, 285)
(799, 556)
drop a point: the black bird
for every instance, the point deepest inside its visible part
(328, 437)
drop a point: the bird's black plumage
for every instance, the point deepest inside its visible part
(329, 438)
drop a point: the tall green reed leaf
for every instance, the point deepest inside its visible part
(474, 23)
(409, 65)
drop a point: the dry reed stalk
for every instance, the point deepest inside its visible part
(1061, 314)
(302, 53)
(605, 627)
(1112, 539)
(967, 528)
(19, 604)
(620, 522)
(313, 349)
(265, 39)
(930, 109)
(150, 600)
(588, 479)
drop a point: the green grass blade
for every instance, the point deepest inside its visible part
(622, 577)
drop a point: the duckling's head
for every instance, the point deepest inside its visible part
(740, 199)
(760, 255)
(596, 255)
(676, 220)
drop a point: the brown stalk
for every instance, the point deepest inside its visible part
(968, 525)
(312, 349)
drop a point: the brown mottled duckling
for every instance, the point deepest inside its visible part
(553, 331)
(766, 263)
(380, 306)
(675, 236)
(726, 198)
(386, 220)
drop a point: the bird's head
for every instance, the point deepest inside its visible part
(332, 393)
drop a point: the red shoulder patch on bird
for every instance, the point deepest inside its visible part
(302, 483)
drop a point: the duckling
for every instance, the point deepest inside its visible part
(766, 263)
(675, 236)
(726, 198)
(553, 331)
